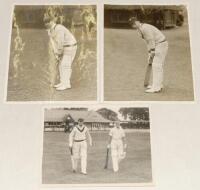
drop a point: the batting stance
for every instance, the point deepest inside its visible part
(117, 145)
(64, 46)
(78, 145)
(157, 49)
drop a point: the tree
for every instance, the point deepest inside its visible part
(77, 109)
(108, 114)
(135, 113)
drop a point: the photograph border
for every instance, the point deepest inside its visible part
(98, 53)
(148, 184)
(131, 3)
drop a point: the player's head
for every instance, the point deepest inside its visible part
(48, 21)
(80, 121)
(134, 22)
(117, 124)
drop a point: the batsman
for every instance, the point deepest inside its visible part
(78, 146)
(157, 47)
(64, 46)
(117, 144)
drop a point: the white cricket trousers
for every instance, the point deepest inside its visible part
(116, 153)
(65, 66)
(158, 64)
(80, 152)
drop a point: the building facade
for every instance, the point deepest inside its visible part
(65, 120)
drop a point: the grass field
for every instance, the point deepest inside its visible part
(125, 60)
(33, 81)
(135, 168)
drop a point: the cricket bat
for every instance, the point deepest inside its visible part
(107, 159)
(148, 72)
(71, 155)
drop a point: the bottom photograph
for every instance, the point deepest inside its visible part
(97, 146)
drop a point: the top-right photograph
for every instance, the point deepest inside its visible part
(147, 54)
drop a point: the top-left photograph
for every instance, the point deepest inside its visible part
(53, 53)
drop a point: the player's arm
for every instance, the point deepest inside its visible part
(109, 139)
(151, 45)
(71, 137)
(124, 139)
(60, 36)
(89, 137)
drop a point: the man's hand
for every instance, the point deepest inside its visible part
(108, 146)
(70, 149)
(150, 58)
(152, 54)
(90, 143)
(58, 57)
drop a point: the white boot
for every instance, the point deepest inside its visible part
(57, 85)
(65, 79)
(157, 79)
(115, 163)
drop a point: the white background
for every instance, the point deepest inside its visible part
(175, 126)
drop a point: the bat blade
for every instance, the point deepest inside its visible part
(148, 73)
(107, 158)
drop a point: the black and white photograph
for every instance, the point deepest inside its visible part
(97, 145)
(147, 53)
(53, 53)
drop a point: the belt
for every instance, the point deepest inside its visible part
(70, 45)
(162, 41)
(79, 140)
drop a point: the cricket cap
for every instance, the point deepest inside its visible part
(80, 120)
(47, 18)
(132, 20)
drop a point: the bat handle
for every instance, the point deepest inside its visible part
(71, 151)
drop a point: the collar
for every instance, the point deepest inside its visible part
(81, 130)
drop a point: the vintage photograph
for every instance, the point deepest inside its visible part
(147, 53)
(53, 53)
(97, 145)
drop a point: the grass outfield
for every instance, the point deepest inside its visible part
(135, 168)
(125, 67)
(33, 82)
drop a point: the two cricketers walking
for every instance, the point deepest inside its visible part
(157, 46)
(78, 146)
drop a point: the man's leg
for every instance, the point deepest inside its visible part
(61, 75)
(84, 157)
(65, 67)
(157, 67)
(76, 156)
(121, 154)
(164, 50)
(114, 155)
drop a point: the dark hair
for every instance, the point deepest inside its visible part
(80, 120)
(47, 19)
